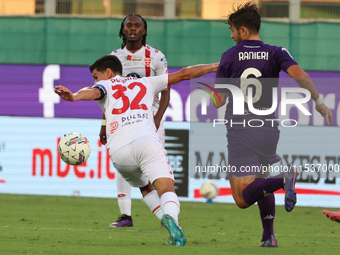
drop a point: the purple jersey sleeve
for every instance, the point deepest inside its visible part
(221, 71)
(284, 59)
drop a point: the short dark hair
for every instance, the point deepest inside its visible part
(247, 15)
(107, 61)
(121, 34)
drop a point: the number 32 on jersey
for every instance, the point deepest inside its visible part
(135, 102)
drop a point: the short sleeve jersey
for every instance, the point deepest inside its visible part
(145, 62)
(127, 104)
(251, 62)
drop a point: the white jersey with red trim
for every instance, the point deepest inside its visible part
(127, 104)
(145, 62)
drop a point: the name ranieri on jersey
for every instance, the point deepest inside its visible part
(247, 55)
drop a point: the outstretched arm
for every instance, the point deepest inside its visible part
(86, 93)
(192, 72)
(304, 81)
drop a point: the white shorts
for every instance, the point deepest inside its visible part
(142, 160)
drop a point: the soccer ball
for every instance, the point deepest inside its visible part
(74, 149)
(209, 190)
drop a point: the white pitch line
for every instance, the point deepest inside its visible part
(80, 229)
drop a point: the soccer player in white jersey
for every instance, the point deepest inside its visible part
(138, 60)
(132, 140)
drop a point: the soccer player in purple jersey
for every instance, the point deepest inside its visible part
(253, 147)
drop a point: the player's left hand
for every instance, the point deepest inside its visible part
(325, 112)
(64, 93)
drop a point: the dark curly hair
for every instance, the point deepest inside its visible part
(247, 15)
(121, 34)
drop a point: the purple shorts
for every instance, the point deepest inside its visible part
(250, 149)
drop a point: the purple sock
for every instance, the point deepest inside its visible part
(267, 213)
(261, 188)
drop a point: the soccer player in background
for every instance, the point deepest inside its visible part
(134, 146)
(334, 216)
(138, 60)
(243, 65)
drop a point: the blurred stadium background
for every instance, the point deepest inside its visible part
(49, 42)
(200, 9)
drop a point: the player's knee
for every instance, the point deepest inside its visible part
(241, 203)
(164, 185)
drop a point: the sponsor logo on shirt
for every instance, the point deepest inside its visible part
(134, 118)
(131, 58)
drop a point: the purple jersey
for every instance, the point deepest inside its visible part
(254, 64)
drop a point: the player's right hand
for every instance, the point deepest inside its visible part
(325, 112)
(64, 93)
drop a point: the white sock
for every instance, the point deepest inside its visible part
(154, 204)
(124, 195)
(170, 204)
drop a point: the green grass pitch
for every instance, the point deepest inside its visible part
(80, 225)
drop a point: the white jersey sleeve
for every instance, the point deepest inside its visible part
(159, 83)
(161, 65)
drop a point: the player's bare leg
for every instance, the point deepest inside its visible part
(238, 184)
(171, 208)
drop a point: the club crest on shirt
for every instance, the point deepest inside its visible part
(147, 62)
